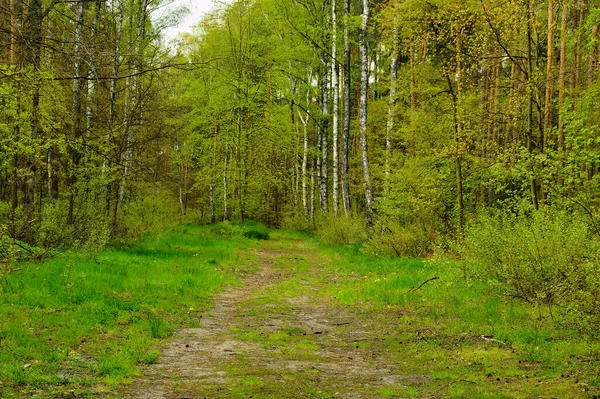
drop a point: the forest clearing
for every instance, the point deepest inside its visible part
(291, 318)
(356, 198)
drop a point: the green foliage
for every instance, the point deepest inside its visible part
(547, 259)
(250, 229)
(152, 209)
(257, 234)
(342, 230)
(297, 221)
(227, 229)
(401, 241)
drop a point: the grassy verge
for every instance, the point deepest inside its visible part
(79, 325)
(475, 342)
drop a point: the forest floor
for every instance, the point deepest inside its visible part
(298, 327)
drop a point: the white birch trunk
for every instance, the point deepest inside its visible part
(346, 122)
(225, 209)
(335, 70)
(364, 87)
(324, 136)
(391, 106)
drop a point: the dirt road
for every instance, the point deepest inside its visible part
(275, 337)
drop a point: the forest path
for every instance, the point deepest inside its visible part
(278, 336)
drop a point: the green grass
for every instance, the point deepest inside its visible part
(81, 324)
(465, 332)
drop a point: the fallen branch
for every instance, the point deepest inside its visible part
(422, 284)
(490, 339)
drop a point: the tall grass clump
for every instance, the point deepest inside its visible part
(546, 259)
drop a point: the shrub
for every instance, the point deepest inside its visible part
(257, 234)
(408, 241)
(342, 230)
(250, 229)
(226, 229)
(297, 222)
(547, 259)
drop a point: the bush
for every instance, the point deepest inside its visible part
(257, 234)
(226, 229)
(547, 259)
(297, 222)
(250, 229)
(342, 230)
(151, 209)
(408, 241)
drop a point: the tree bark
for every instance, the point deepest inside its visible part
(213, 156)
(458, 126)
(13, 31)
(76, 130)
(346, 122)
(304, 164)
(33, 57)
(335, 71)
(364, 86)
(225, 208)
(549, 78)
(562, 75)
(391, 104)
(324, 127)
(530, 88)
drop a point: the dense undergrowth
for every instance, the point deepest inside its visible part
(78, 324)
(547, 259)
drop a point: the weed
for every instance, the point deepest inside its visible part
(158, 328)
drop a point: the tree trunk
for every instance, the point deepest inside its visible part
(324, 127)
(304, 120)
(562, 75)
(391, 105)
(132, 115)
(213, 156)
(33, 57)
(592, 57)
(549, 78)
(364, 86)
(13, 31)
(91, 83)
(304, 165)
(335, 71)
(312, 190)
(346, 122)
(413, 93)
(533, 183)
(458, 126)
(225, 208)
(76, 130)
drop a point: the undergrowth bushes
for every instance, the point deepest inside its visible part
(412, 241)
(249, 229)
(298, 222)
(342, 230)
(547, 259)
